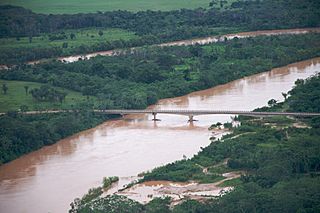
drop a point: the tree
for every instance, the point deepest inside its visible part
(26, 88)
(24, 108)
(100, 33)
(65, 45)
(30, 39)
(285, 95)
(4, 88)
(61, 97)
(72, 36)
(272, 102)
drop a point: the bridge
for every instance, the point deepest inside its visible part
(192, 113)
(189, 113)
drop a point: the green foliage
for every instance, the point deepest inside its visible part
(18, 95)
(305, 97)
(158, 205)
(73, 41)
(179, 171)
(107, 182)
(110, 204)
(46, 93)
(232, 182)
(92, 194)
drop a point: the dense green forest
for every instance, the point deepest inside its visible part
(140, 79)
(151, 27)
(281, 164)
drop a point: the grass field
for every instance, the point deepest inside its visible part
(16, 97)
(86, 37)
(85, 6)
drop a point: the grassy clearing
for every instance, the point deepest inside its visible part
(86, 37)
(219, 169)
(16, 97)
(232, 182)
(84, 6)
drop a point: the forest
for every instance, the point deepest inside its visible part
(281, 164)
(150, 27)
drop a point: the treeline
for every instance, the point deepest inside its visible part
(155, 26)
(267, 14)
(305, 97)
(282, 165)
(21, 134)
(140, 79)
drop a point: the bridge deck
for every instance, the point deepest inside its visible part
(183, 112)
(207, 112)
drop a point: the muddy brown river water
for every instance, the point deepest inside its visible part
(47, 180)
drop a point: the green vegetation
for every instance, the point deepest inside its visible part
(17, 98)
(142, 28)
(64, 43)
(92, 194)
(110, 204)
(283, 177)
(107, 182)
(73, 6)
(76, 39)
(233, 182)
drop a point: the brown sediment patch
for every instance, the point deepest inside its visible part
(178, 191)
(300, 125)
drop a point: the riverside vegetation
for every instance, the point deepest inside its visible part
(27, 36)
(281, 164)
(138, 80)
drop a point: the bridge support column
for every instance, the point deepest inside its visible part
(155, 117)
(191, 119)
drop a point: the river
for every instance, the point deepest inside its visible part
(47, 180)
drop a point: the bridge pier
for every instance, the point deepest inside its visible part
(191, 119)
(155, 117)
